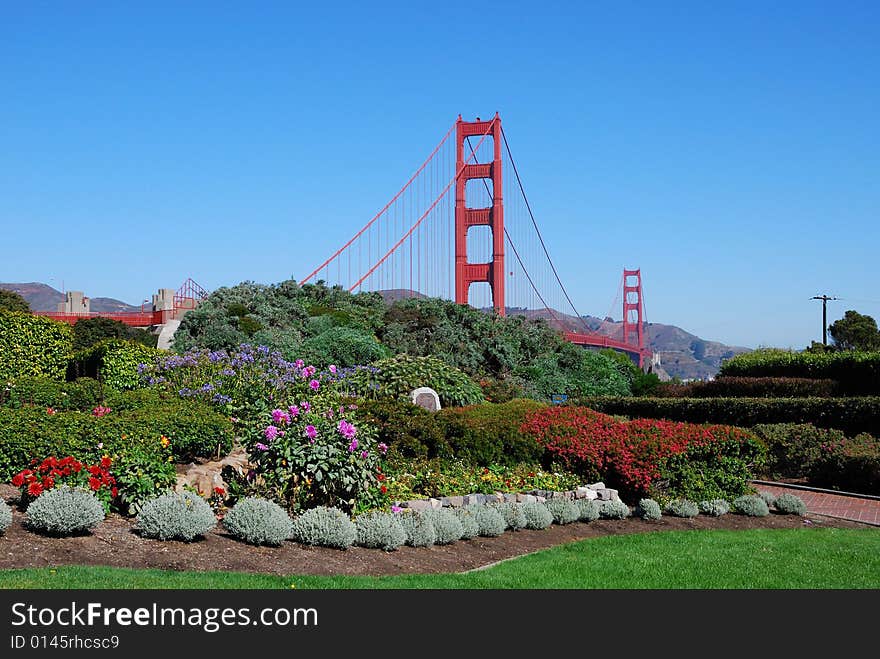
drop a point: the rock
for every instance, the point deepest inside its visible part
(592, 495)
(495, 497)
(452, 502)
(570, 495)
(419, 504)
(597, 486)
(540, 499)
(425, 397)
(605, 494)
(526, 498)
(472, 499)
(509, 498)
(582, 492)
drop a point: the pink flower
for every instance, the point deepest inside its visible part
(353, 446)
(383, 447)
(311, 433)
(346, 429)
(314, 384)
(261, 447)
(271, 432)
(396, 509)
(294, 411)
(305, 406)
(299, 363)
(364, 454)
(280, 416)
(311, 370)
(333, 369)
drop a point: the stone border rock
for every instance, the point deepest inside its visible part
(596, 491)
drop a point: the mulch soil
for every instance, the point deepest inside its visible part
(114, 543)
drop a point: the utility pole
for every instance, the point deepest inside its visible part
(824, 299)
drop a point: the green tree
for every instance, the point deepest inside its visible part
(89, 331)
(855, 332)
(12, 301)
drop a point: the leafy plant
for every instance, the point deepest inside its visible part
(89, 331)
(751, 505)
(419, 528)
(115, 362)
(648, 509)
(379, 530)
(33, 346)
(258, 522)
(489, 521)
(682, 508)
(768, 497)
(537, 515)
(325, 527)
(469, 526)
(184, 516)
(789, 504)
(514, 517)
(588, 510)
(563, 511)
(64, 511)
(447, 526)
(83, 394)
(614, 509)
(714, 507)
(5, 517)
(53, 473)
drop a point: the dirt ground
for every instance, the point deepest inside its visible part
(114, 543)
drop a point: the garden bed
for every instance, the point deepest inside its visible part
(114, 543)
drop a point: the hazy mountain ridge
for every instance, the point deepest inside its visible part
(42, 297)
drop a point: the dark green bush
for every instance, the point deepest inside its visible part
(409, 430)
(89, 331)
(490, 434)
(849, 464)
(793, 448)
(114, 362)
(343, 346)
(83, 394)
(33, 346)
(857, 372)
(744, 387)
(851, 415)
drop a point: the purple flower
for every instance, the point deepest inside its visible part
(311, 433)
(261, 447)
(314, 384)
(346, 429)
(353, 446)
(396, 509)
(280, 416)
(271, 432)
(333, 369)
(305, 406)
(299, 363)
(383, 447)
(294, 411)
(364, 454)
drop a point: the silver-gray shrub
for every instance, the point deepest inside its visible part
(513, 515)
(615, 509)
(537, 515)
(469, 527)
(184, 516)
(488, 519)
(588, 510)
(768, 497)
(5, 516)
(751, 505)
(324, 527)
(64, 511)
(648, 509)
(418, 527)
(789, 504)
(258, 522)
(682, 508)
(378, 530)
(447, 526)
(563, 511)
(714, 507)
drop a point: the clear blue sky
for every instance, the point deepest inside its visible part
(729, 152)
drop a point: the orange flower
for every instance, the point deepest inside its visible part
(164, 441)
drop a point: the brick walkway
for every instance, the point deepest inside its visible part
(833, 505)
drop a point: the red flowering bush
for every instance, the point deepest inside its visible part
(52, 473)
(647, 457)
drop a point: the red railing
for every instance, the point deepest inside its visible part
(130, 318)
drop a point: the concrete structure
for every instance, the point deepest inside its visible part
(74, 302)
(164, 299)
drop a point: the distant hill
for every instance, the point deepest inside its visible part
(42, 297)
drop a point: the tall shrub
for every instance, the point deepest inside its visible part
(33, 346)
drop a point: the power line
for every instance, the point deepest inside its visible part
(825, 299)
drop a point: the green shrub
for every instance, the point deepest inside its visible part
(378, 530)
(447, 526)
(850, 415)
(408, 429)
(768, 497)
(858, 373)
(33, 346)
(849, 464)
(789, 504)
(324, 527)
(343, 346)
(489, 521)
(469, 526)
(89, 331)
(751, 505)
(751, 387)
(615, 509)
(397, 376)
(537, 515)
(140, 399)
(588, 510)
(563, 511)
(513, 515)
(5, 516)
(714, 507)
(83, 394)
(114, 362)
(793, 448)
(64, 511)
(491, 434)
(682, 508)
(185, 516)
(419, 528)
(12, 301)
(648, 509)
(258, 522)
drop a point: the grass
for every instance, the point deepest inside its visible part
(796, 558)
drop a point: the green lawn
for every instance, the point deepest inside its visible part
(799, 558)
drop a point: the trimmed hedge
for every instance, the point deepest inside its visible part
(409, 430)
(33, 346)
(32, 433)
(83, 394)
(744, 387)
(857, 372)
(114, 362)
(851, 415)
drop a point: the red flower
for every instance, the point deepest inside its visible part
(219, 491)
(35, 489)
(380, 477)
(106, 462)
(48, 482)
(95, 484)
(383, 489)
(95, 470)
(50, 411)
(18, 480)
(114, 492)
